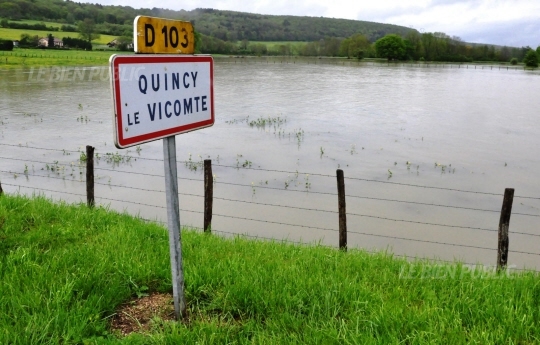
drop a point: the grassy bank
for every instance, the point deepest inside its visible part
(65, 269)
(21, 58)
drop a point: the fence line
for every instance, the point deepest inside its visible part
(422, 241)
(274, 205)
(342, 240)
(422, 223)
(43, 189)
(272, 188)
(422, 203)
(282, 206)
(260, 169)
(262, 187)
(327, 246)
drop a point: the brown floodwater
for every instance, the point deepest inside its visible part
(394, 130)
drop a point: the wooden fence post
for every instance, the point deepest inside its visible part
(342, 211)
(504, 223)
(90, 176)
(208, 195)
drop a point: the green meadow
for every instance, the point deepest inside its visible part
(65, 269)
(20, 58)
(15, 34)
(274, 45)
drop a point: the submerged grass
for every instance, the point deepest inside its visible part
(64, 270)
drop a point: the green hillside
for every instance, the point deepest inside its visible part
(225, 25)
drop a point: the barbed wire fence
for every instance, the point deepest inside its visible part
(74, 177)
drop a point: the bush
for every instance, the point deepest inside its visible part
(24, 26)
(513, 61)
(531, 59)
(6, 45)
(68, 28)
(76, 43)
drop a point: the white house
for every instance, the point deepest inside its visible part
(44, 42)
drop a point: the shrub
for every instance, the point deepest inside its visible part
(76, 43)
(531, 59)
(6, 44)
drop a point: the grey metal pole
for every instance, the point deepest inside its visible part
(173, 221)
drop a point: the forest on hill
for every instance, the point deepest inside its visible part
(224, 25)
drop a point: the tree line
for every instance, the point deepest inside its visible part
(413, 46)
(439, 46)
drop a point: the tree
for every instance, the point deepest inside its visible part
(50, 41)
(125, 43)
(10, 10)
(28, 41)
(513, 61)
(504, 54)
(355, 46)
(244, 44)
(87, 30)
(413, 45)
(531, 59)
(391, 47)
(6, 44)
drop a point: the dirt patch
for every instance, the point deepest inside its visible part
(139, 314)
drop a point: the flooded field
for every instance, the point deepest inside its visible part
(426, 153)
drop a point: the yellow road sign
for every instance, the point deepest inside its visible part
(163, 36)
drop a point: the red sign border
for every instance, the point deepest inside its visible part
(117, 60)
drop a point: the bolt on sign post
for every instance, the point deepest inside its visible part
(158, 97)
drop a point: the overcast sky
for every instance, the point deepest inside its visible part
(504, 22)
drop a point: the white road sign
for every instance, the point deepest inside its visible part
(157, 96)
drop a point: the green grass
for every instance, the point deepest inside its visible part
(15, 34)
(274, 45)
(19, 58)
(280, 43)
(64, 269)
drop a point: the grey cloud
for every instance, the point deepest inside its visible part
(515, 33)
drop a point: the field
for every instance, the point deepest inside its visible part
(66, 269)
(275, 45)
(15, 34)
(45, 57)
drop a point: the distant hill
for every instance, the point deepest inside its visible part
(224, 25)
(231, 26)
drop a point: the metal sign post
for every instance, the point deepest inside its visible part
(160, 96)
(173, 222)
